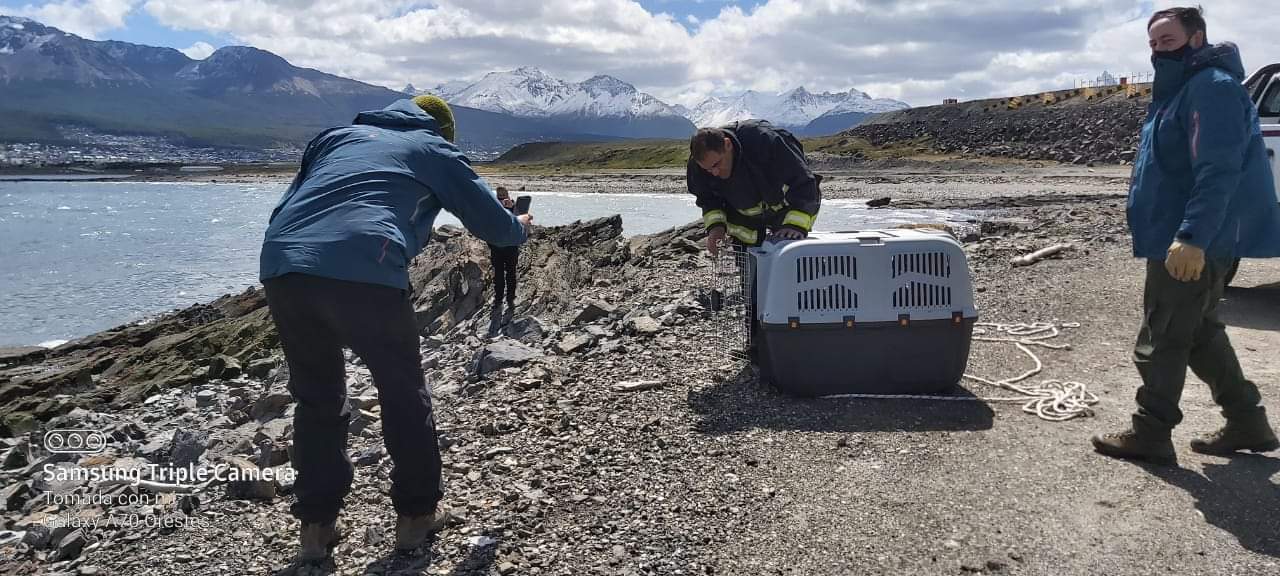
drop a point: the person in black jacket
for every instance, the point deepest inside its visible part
(504, 260)
(751, 180)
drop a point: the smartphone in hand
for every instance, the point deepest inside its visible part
(522, 204)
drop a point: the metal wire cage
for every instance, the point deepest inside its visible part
(730, 292)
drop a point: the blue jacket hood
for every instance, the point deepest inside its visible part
(1202, 174)
(1225, 56)
(401, 114)
(366, 197)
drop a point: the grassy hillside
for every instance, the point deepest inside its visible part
(627, 155)
(843, 145)
(19, 127)
(656, 154)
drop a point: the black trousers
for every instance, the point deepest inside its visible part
(1180, 330)
(316, 318)
(504, 259)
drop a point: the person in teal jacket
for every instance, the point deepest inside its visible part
(1202, 195)
(335, 267)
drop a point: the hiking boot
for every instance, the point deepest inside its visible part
(317, 540)
(412, 531)
(495, 319)
(1135, 446)
(1254, 435)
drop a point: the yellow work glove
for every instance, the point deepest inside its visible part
(1184, 262)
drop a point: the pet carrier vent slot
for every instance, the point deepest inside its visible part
(833, 297)
(922, 295)
(816, 267)
(936, 264)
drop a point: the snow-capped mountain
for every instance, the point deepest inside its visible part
(848, 114)
(795, 108)
(532, 93)
(447, 90)
(600, 105)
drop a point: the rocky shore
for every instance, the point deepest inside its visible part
(607, 431)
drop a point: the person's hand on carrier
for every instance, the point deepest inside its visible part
(715, 237)
(526, 220)
(787, 234)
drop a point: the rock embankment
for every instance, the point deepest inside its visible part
(1078, 133)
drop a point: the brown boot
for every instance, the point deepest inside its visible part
(317, 540)
(1135, 446)
(412, 531)
(1254, 435)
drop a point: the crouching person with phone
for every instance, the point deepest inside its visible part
(335, 264)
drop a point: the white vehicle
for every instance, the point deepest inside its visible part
(1264, 88)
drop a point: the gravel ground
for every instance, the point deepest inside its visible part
(554, 471)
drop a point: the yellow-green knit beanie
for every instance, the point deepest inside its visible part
(439, 110)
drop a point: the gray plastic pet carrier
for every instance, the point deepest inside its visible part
(873, 312)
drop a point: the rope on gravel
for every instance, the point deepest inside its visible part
(1051, 400)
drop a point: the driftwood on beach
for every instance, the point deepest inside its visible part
(1041, 254)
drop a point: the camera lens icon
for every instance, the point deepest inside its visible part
(75, 441)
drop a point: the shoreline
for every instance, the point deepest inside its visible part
(918, 188)
(823, 164)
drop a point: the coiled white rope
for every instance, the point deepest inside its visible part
(1052, 400)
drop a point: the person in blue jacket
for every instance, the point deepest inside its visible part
(335, 266)
(1202, 195)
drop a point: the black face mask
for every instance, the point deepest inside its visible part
(1170, 70)
(1179, 54)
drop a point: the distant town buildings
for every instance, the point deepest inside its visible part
(83, 146)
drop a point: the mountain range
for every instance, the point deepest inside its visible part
(531, 93)
(599, 105)
(804, 112)
(243, 97)
(239, 97)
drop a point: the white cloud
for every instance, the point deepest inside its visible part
(920, 51)
(198, 51)
(88, 18)
(391, 43)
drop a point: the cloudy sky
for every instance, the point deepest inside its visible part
(919, 51)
